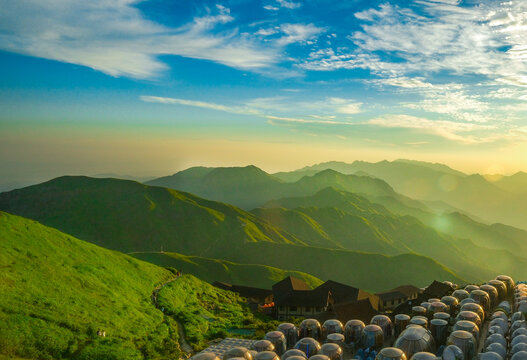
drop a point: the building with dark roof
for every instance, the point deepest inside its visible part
(437, 289)
(363, 309)
(389, 300)
(293, 297)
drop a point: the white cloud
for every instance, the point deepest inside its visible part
(444, 36)
(322, 111)
(273, 118)
(345, 106)
(114, 37)
(201, 104)
(508, 93)
(298, 33)
(404, 82)
(447, 129)
(271, 8)
(289, 4)
(456, 103)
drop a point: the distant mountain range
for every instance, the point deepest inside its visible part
(250, 187)
(503, 200)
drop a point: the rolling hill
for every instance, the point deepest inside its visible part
(367, 271)
(334, 217)
(128, 216)
(211, 270)
(132, 217)
(57, 291)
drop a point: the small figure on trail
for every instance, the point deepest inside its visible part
(98, 332)
(104, 333)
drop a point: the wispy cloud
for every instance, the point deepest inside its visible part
(273, 119)
(297, 33)
(270, 108)
(271, 8)
(450, 130)
(289, 4)
(456, 103)
(114, 37)
(487, 40)
(201, 104)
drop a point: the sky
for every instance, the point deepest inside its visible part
(151, 87)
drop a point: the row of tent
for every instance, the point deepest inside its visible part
(447, 328)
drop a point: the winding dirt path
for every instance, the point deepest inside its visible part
(183, 344)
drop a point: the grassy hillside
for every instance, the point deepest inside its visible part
(344, 220)
(57, 291)
(208, 312)
(486, 237)
(129, 216)
(212, 270)
(372, 272)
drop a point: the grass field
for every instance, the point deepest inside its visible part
(208, 312)
(57, 291)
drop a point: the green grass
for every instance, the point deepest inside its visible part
(211, 270)
(371, 272)
(57, 291)
(207, 312)
(128, 216)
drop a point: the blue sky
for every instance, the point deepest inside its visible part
(150, 87)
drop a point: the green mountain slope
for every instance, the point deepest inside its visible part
(58, 290)
(343, 220)
(129, 216)
(372, 272)
(350, 224)
(211, 270)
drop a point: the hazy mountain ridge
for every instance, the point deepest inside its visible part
(493, 201)
(516, 183)
(250, 187)
(336, 216)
